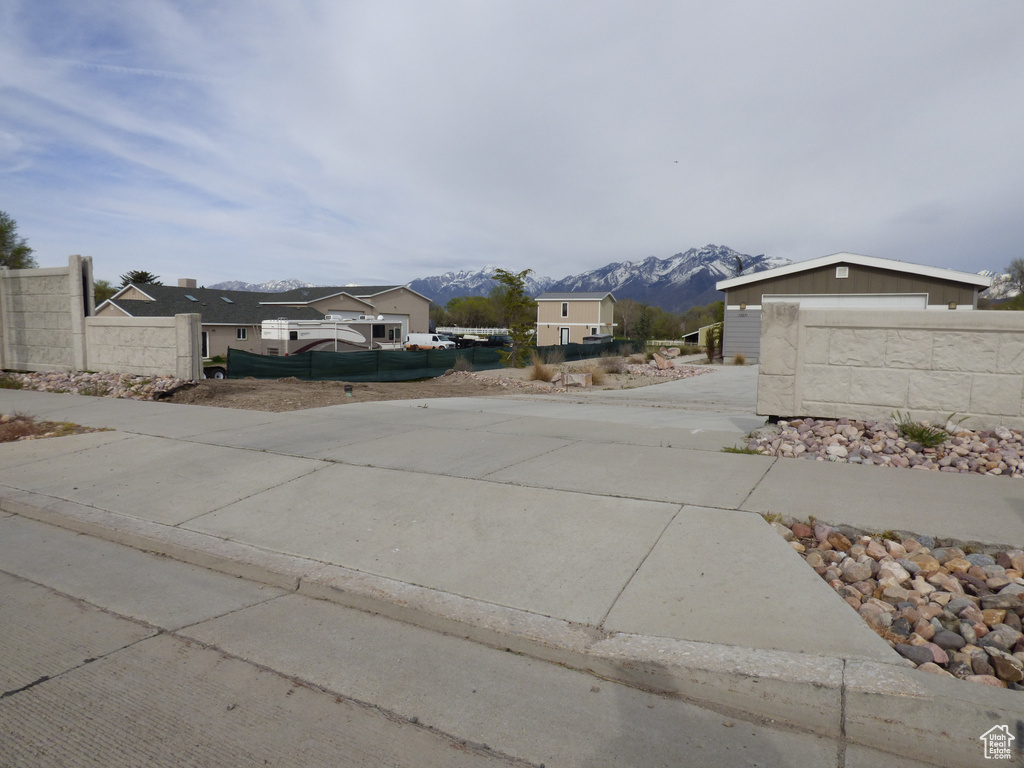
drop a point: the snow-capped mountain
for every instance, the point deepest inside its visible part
(1002, 288)
(674, 284)
(442, 288)
(273, 286)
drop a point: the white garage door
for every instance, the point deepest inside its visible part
(855, 300)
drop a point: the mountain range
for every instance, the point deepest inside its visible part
(675, 284)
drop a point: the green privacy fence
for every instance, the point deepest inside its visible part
(391, 366)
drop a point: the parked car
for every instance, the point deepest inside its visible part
(428, 341)
(499, 340)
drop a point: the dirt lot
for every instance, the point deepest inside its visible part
(293, 394)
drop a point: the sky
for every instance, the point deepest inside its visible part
(382, 141)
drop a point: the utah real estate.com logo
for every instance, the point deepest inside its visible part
(997, 743)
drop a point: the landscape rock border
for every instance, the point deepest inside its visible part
(996, 452)
(946, 610)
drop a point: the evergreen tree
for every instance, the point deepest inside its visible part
(14, 250)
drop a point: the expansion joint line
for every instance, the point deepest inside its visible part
(841, 752)
(640, 565)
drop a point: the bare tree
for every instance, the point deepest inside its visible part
(1016, 270)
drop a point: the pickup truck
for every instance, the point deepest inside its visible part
(495, 341)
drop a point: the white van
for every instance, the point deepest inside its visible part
(428, 341)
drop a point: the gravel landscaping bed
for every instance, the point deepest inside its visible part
(998, 451)
(121, 385)
(945, 610)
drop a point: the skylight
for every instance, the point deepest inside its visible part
(225, 298)
(191, 298)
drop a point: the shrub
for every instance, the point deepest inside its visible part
(462, 364)
(611, 363)
(918, 431)
(739, 359)
(597, 373)
(553, 356)
(7, 382)
(539, 370)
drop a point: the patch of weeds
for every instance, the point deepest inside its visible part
(889, 536)
(95, 390)
(462, 363)
(772, 517)
(19, 426)
(744, 449)
(8, 382)
(919, 432)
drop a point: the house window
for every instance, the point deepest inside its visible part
(565, 309)
(593, 331)
(241, 333)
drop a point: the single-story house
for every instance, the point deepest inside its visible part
(234, 318)
(566, 317)
(841, 280)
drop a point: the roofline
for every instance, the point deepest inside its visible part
(136, 287)
(940, 273)
(318, 298)
(114, 304)
(579, 298)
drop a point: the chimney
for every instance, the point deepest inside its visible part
(186, 282)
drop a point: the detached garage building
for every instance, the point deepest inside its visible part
(842, 280)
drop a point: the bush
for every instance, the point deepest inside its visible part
(611, 363)
(597, 373)
(739, 359)
(462, 364)
(539, 370)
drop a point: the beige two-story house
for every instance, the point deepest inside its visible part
(567, 318)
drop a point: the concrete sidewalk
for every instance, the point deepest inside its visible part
(609, 534)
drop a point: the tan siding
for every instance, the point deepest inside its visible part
(134, 294)
(402, 301)
(341, 304)
(110, 311)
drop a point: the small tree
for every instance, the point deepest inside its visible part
(139, 277)
(102, 290)
(713, 342)
(14, 250)
(1016, 270)
(642, 327)
(519, 312)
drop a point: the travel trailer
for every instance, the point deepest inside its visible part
(335, 333)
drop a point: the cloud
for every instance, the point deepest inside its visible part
(386, 141)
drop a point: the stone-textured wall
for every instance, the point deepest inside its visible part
(867, 364)
(145, 346)
(42, 316)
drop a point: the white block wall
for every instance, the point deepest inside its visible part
(868, 364)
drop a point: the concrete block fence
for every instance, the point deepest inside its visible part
(830, 363)
(46, 324)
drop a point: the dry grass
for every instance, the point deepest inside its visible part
(598, 375)
(539, 370)
(739, 359)
(462, 364)
(610, 363)
(17, 426)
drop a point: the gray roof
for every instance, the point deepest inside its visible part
(316, 293)
(241, 307)
(569, 295)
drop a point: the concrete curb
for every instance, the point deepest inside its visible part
(882, 706)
